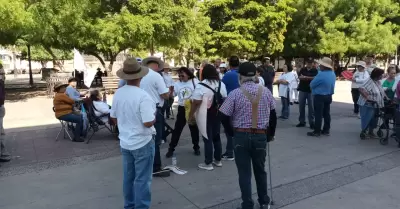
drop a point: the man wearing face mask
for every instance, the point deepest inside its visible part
(153, 83)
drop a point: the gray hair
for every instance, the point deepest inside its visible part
(243, 79)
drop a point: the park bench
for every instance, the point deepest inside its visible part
(110, 84)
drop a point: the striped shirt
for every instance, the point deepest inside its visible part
(238, 106)
(375, 93)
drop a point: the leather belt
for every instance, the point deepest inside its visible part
(251, 130)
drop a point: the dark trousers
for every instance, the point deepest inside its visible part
(179, 125)
(226, 123)
(306, 98)
(167, 106)
(77, 119)
(159, 126)
(355, 93)
(212, 145)
(251, 149)
(322, 108)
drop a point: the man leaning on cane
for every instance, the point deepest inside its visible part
(252, 109)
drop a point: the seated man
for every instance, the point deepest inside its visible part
(100, 108)
(63, 108)
(72, 92)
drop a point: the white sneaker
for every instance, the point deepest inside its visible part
(217, 163)
(204, 166)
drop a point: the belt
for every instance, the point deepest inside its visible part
(251, 130)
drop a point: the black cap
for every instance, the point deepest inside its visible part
(310, 60)
(247, 69)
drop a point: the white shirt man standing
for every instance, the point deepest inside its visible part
(154, 84)
(135, 116)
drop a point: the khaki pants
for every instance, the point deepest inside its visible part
(2, 114)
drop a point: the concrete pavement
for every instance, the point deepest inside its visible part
(307, 172)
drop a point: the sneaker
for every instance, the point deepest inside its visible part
(325, 133)
(371, 135)
(169, 154)
(161, 173)
(301, 125)
(363, 135)
(217, 163)
(227, 157)
(265, 206)
(313, 134)
(80, 139)
(197, 152)
(204, 166)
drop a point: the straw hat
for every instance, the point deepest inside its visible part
(59, 85)
(157, 60)
(362, 64)
(326, 62)
(132, 70)
(166, 66)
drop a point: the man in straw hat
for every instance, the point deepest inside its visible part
(322, 88)
(133, 110)
(154, 84)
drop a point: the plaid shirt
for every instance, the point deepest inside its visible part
(238, 106)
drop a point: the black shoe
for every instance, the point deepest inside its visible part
(363, 135)
(197, 152)
(291, 103)
(4, 160)
(169, 154)
(325, 133)
(227, 157)
(313, 134)
(162, 173)
(79, 140)
(312, 126)
(296, 102)
(301, 125)
(265, 206)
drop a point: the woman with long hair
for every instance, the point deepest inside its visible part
(184, 89)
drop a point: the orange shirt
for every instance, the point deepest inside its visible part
(62, 104)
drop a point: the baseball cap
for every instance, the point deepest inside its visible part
(247, 69)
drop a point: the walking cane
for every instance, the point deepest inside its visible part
(270, 174)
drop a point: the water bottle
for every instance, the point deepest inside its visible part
(174, 161)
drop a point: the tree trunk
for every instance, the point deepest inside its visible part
(347, 63)
(99, 58)
(56, 62)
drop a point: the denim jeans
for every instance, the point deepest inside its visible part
(212, 145)
(77, 119)
(227, 124)
(368, 118)
(306, 97)
(159, 126)
(285, 107)
(137, 168)
(355, 94)
(322, 106)
(251, 149)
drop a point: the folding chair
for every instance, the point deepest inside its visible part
(95, 122)
(64, 128)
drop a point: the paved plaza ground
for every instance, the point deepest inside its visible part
(338, 171)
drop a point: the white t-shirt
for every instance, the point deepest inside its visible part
(101, 109)
(184, 90)
(201, 90)
(284, 88)
(132, 107)
(261, 81)
(154, 84)
(168, 80)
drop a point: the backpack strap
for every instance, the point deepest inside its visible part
(254, 104)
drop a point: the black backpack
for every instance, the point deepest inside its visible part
(217, 98)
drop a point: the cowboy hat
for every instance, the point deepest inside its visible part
(157, 60)
(326, 62)
(132, 70)
(59, 85)
(362, 64)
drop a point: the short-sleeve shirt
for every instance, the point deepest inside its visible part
(184, 90)
(200, 90)
(231, 80)
(153, 83)
(304, 85)
(239, 107)
(168, 80)
(133, 107)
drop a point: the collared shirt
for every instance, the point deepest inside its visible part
(73, 93)
(323, 83)
(231, 80)
(239, 107)
(153, 83)
(375, 93)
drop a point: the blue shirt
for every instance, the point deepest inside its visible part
(72, 93)
(231, 80)
(323, 83)
(121, 83)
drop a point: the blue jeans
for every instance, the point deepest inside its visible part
(251, 149)
(137, 168)
(285, 107)
(306, 97)
(159, 126)
(77, 119)
(322, 106)
(368, 119)
(212, 145)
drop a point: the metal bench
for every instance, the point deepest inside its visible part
(110, 84)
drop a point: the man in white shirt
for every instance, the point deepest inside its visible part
(134, 112)
(154, 84)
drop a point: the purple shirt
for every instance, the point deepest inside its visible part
(238, 106)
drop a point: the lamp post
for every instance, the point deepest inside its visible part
(30, 66)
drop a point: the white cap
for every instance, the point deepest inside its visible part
(362, 64)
